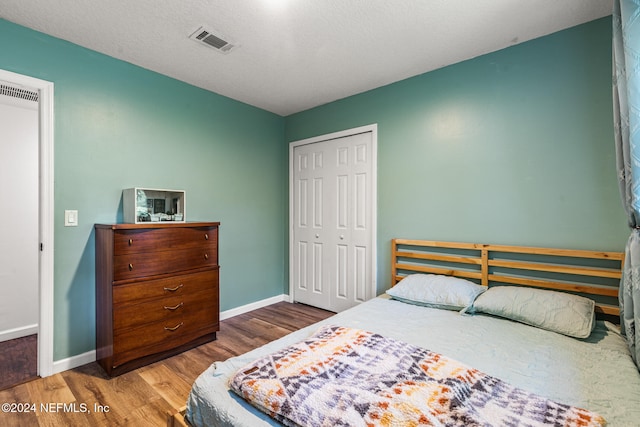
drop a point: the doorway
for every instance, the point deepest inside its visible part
(31, 162)
(20, 231)
(332, 203)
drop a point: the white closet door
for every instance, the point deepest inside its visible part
(333, 204)
(310, 242)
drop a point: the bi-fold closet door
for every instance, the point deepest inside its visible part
(333, 201)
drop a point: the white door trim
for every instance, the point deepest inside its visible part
(373, 128)
(45, 320)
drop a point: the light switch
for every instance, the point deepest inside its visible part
(71, 218)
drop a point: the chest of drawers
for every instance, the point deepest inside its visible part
(157, 291)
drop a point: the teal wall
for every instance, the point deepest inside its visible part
(119, 126)
(513, 147)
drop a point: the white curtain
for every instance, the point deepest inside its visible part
(626, 104)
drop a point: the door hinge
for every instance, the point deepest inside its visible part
(41, 247)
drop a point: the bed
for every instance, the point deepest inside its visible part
(508, 341)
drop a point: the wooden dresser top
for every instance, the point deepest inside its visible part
(164, 224)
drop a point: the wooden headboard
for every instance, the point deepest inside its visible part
(594, 274)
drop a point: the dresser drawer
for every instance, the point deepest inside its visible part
(138, 265)
(179, 286)
(169, 309)
(161, 239)
(161, 336)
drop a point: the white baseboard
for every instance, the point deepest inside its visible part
(253, 306)
(73, 361)
(23, 331)
(90, 356)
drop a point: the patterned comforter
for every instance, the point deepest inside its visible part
(345, 376)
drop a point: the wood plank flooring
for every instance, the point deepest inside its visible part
(85, 396)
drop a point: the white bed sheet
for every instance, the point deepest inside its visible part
(596, 373)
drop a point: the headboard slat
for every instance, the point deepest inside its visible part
(573, 253)
(557, 268)
(561, 286)
(446, 258)
(608, 309)
(439, 270)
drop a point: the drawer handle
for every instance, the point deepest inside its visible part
(173, 289)
(175, 307)
(206, 256)
(166, 328)
(130, 242)
(206, 236)
(130, 267)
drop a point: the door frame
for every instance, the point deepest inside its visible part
(373, 129)
(46, 214)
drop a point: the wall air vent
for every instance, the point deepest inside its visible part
(15, 92)
(213, 39)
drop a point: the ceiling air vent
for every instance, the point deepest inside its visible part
(211, 39)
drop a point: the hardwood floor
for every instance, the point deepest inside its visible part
(18, 361)
(85, 396)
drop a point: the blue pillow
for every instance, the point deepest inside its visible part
(432, 290)
(567, 314)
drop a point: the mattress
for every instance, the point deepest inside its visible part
(596, 373)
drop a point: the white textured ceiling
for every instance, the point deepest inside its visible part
(297, 54)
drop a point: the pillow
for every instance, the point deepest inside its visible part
(431, 290)
(559, 312)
